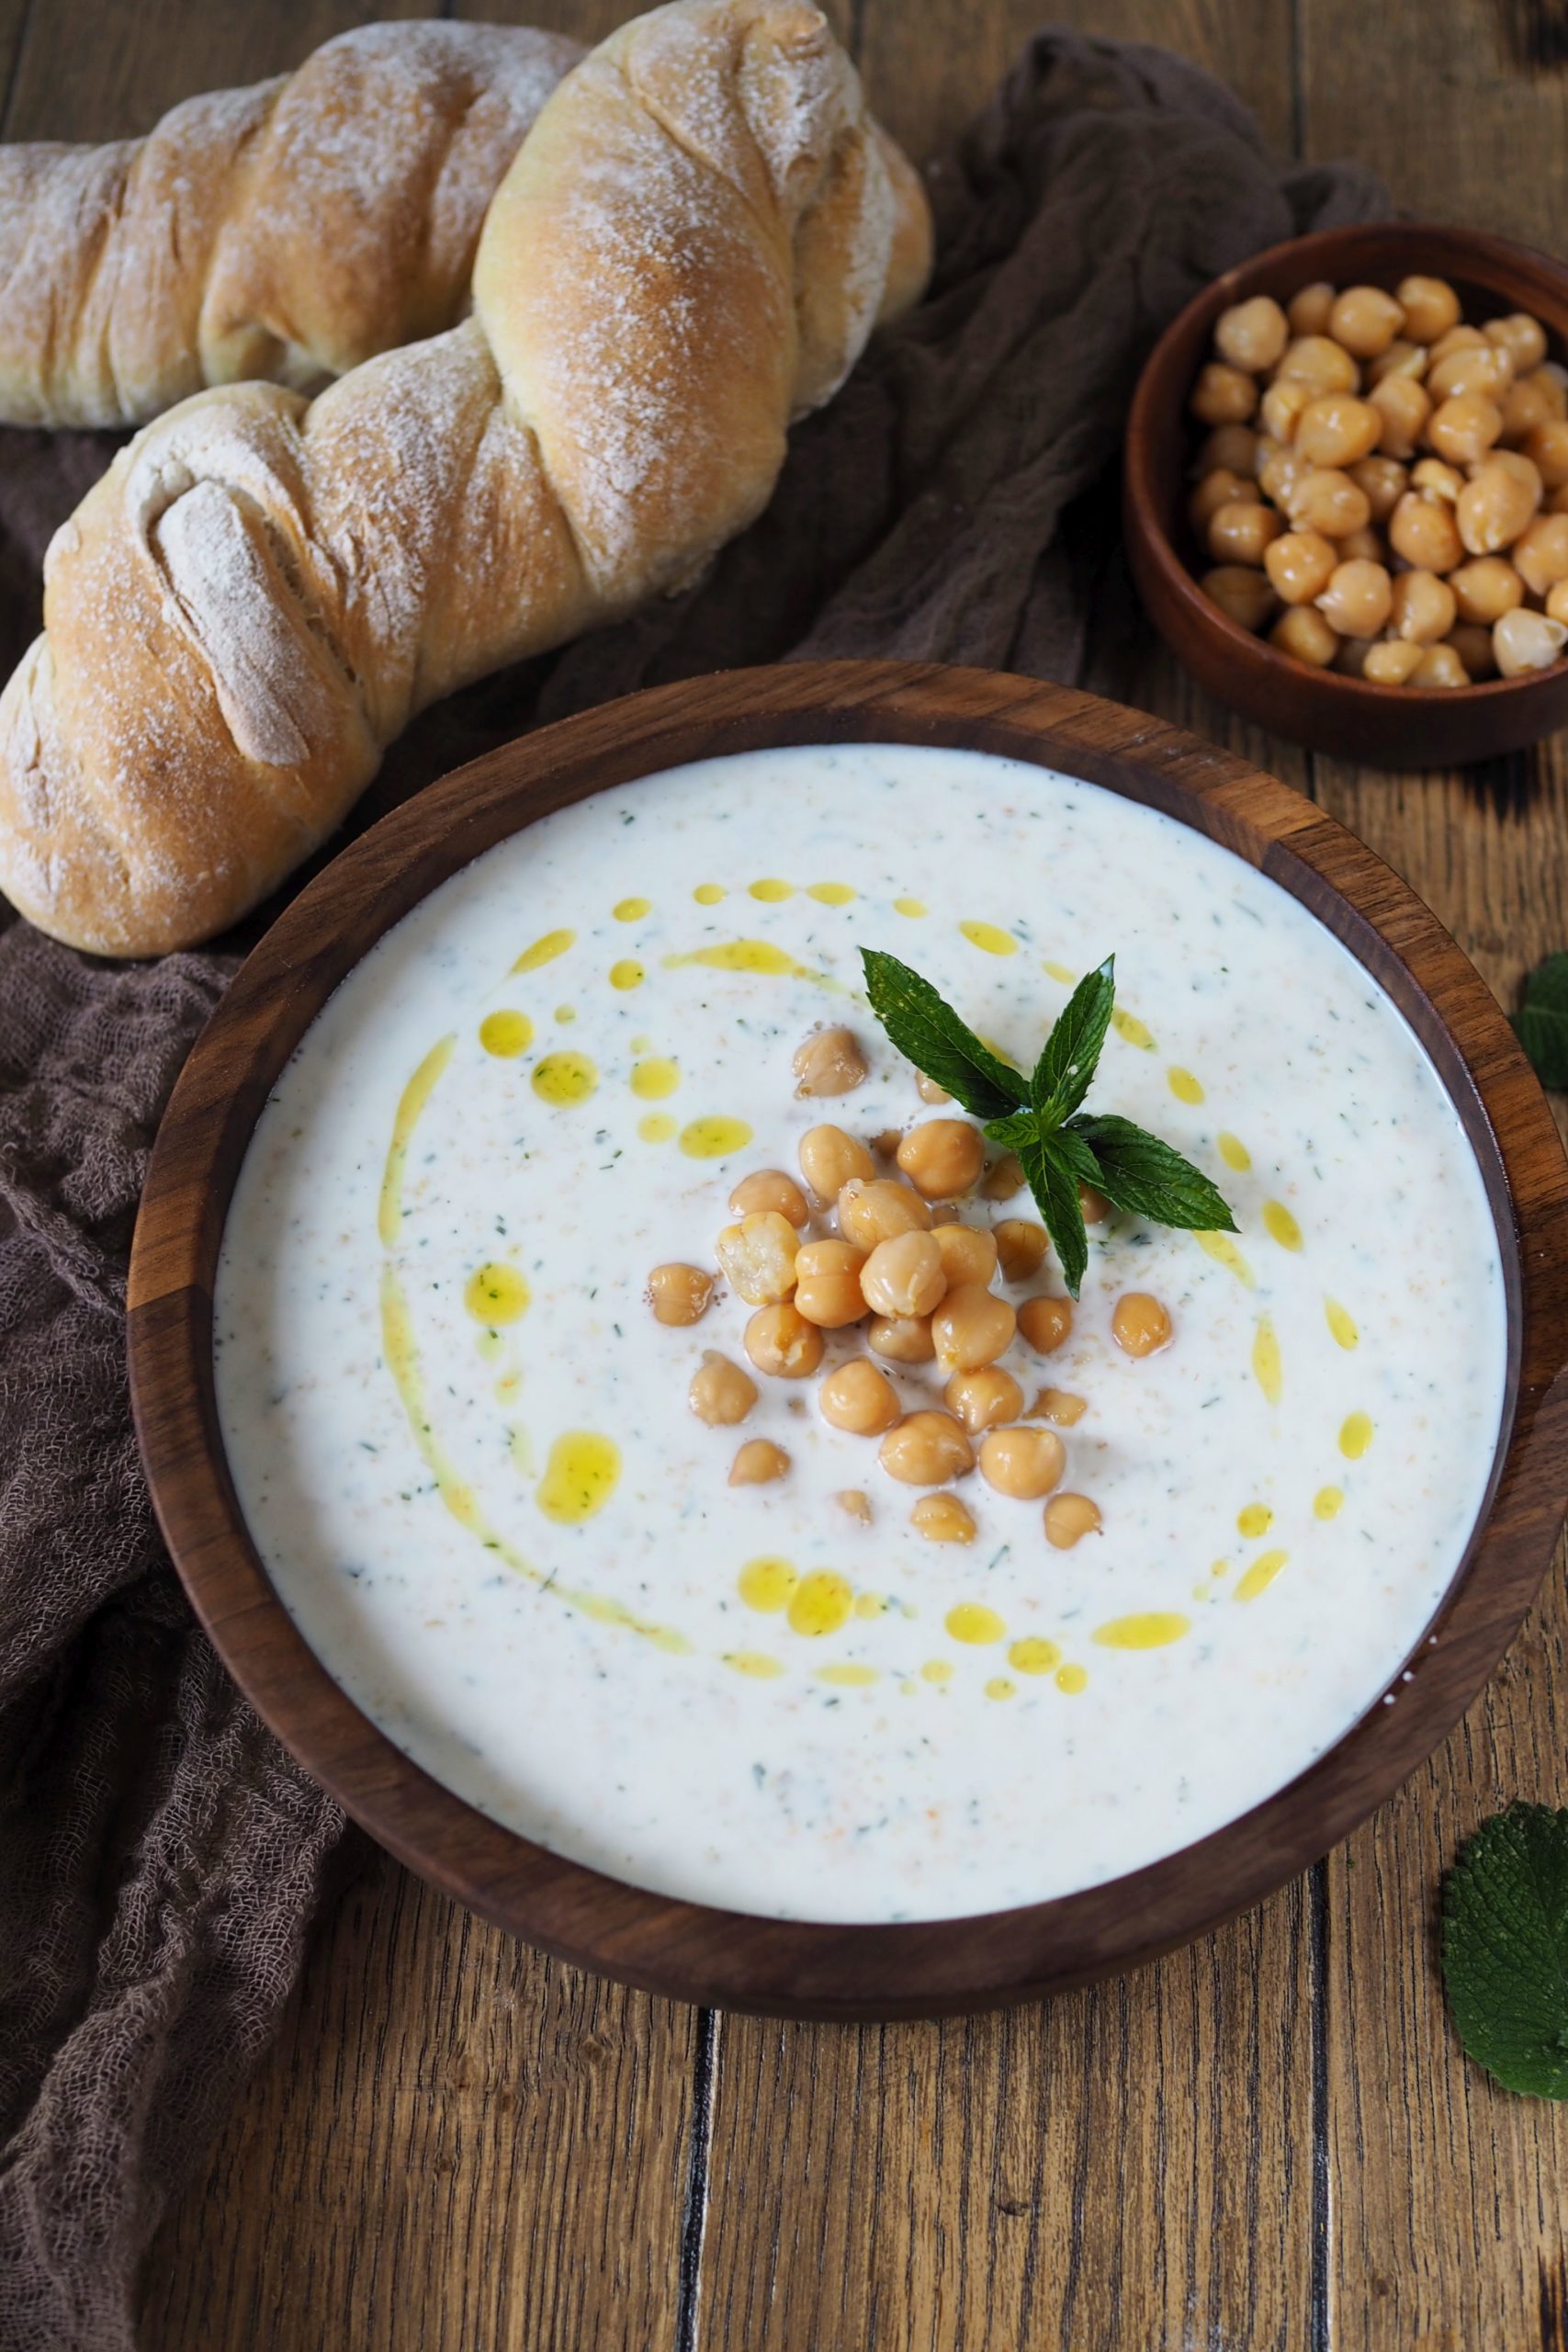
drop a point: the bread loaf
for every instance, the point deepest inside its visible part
(288, 231)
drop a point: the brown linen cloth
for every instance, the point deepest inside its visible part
(160, 1854)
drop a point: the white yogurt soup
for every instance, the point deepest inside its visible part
(464, 1444)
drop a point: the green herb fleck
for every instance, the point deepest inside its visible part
(1505, 1947)
(1542, 1021)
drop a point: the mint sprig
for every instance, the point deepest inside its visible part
(1542, 1021)
(1060, 1145)
(1505, 1948)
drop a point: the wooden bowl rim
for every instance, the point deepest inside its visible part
(1142, 498)
(687, 1950)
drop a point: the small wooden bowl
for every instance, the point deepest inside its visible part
(681, 1949)
(1388, 726)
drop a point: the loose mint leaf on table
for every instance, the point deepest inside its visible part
(1542, 1021)
(927, 1030)
(1505, 1948)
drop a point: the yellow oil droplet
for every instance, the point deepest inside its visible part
(487, 1346)
(657, 1128)
(545, 950)
(496, 1294)
(937, 1669)
(1256, 1520)
(653, 1080)
(767, 1585)
(1072, 1679)
(1329, 1502)
(1148, 1629)
(1223, 1249)
(506, 1033)
(870, 1604)
(989, 938)
(831, 894)
(641, 1044)
(708, 894)
(1134, 1031)
(821, 1603)
(1355, 1436)
(758, 955)
(714, 1137)
(770, 890)
(566, 1015)
(1342, 1324)
(1183, 1085)
(848, 1676)
(1283, 1226)
(998, 1686)
(520, 1446)
(1234, 1152)
(971, 1621)
(1062, 973)
(1033, 1655)
(756, 1663)
(1220, 1568)
(561, 1078)
(627, 973)
(411, 1102)
(1260, 1576)
(506, 1387)
(1267, 1368)
(580, 1477)
(913, 908)
(632, 909)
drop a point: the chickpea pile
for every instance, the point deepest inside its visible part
(887, 1256)
(1384, 488)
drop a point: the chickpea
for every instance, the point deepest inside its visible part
(874, 1211)
(1021, 1248)
(679, 1294)
(1437, 481)
(1400, 359)
(1298, 565)
(1431, 307)
(968, 1252)
(827, 1284)
(1093, 1206)
(1493, 508)
(1310, 310)
(1424, 531)
(1463, 428)
(1525, 640)
(1391, 663)
(1484, 373)
(1557, 500)
(757, 1256)
(1553, 381)
(1222, 395)
(1327, 501)
(859, 1399)
(781, 1342)
(1326, 366)
(1246, 598)
(829, 1062)
(887, 1142)
(1356, 600)
(1282, 405)
(1401, 407)
(1221, 488)
(1351, 659)
(1045, 1322)
(1140, 1325)
(927, 1450)
(1240, 530)
(902, 1339)
(904, 1276)
(757, 1464)
(1252, 334)
(927, 1088)
(1541, 553)
(1365, 319)
(1526, 404)
(1522, 337)
(1557, 602)
(1337, 428)
(1458, 338)
(1383, 481)
(1305, 635)
(770, 1188)
(1068, 1519)
(1022, 1462)
(983, 1398)
(1362, 546)
(1472, 643)
(856, 1502)
(943, 1518)
(1421, 608)
(720, 1393)
(829, 1158)
(1003, 1180)
(942, 1157)
(1439, 666)
(1486, 589)
(1235, 446)
(971, 1326)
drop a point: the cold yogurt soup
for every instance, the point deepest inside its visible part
(622, 1583)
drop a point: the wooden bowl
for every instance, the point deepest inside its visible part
(681, 1949)
(1388, 726)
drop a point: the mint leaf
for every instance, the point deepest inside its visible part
(1505, 1948)
(1055, 1189)
(930, 1034)
(1067, 1062)
(1150, 1178)
(1541, 1024)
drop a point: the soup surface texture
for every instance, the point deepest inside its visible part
(463, 1443)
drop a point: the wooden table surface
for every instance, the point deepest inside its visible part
(1270, 2140)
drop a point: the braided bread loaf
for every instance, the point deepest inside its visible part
(690, 249)
(289, 231)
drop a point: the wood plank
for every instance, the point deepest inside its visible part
(454, 2142)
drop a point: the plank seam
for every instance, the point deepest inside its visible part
(693, 2218)
(1319, 2301)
